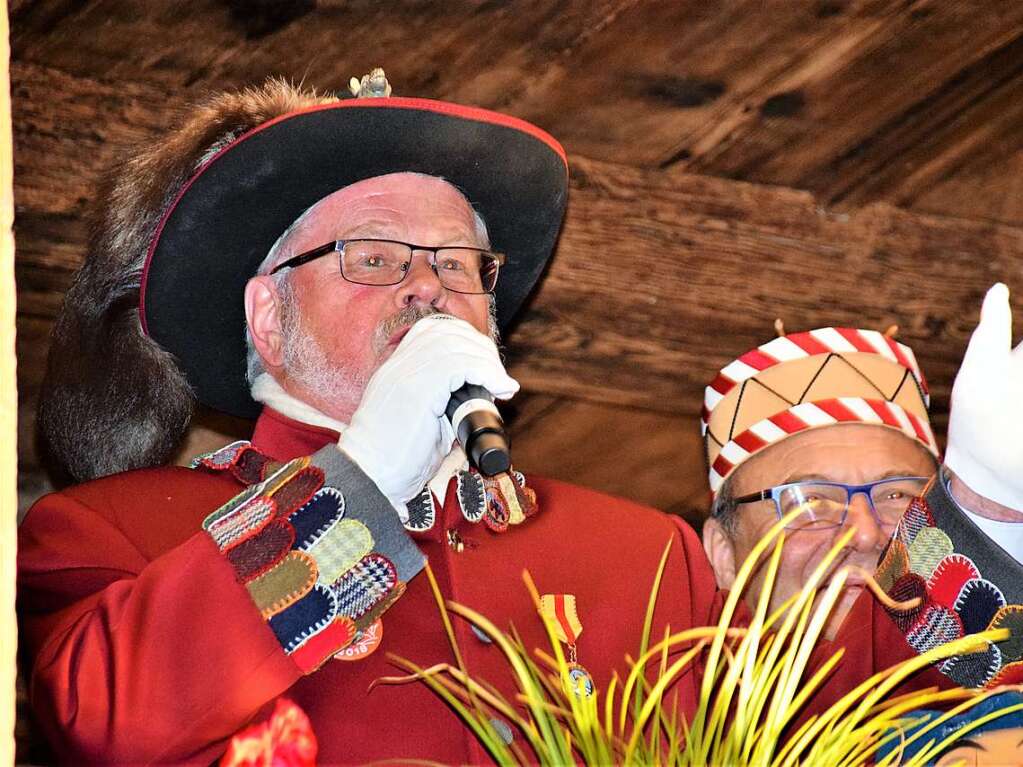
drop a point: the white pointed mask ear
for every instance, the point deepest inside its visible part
(263, 316)
(720, 551)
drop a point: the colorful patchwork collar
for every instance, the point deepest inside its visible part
(966, 583)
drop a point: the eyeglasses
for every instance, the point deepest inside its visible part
(387, 262)
(825, 505)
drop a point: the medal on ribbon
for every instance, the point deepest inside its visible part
(561, 611)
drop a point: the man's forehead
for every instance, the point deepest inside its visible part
(839, 451)
(390, 189)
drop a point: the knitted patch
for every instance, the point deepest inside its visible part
(221, 458)
(936, 626)
(284, 585)
(317, 516)
(471, 497)
(302, 620)
(1010, 617)
(322, 646)
(978, 603)
(949, 577)
(973, 669)
(340, 549)
(364, 585)
(254, 556)
(243, 523)
(929, 547)
(422, 512)
(298, 490)
(1011, 673)
(228, 508)
(908, 586)
(894, 564)
(916, 517)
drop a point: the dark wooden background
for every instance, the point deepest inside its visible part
(853, 162)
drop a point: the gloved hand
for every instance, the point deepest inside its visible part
(399, 434)
(985, 448)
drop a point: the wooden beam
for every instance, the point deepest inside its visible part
(660, 277)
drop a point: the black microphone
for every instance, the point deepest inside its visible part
(479, 428)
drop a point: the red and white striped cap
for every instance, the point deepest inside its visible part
(807, 380)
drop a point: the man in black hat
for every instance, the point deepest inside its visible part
(360, 243)
(336, 268)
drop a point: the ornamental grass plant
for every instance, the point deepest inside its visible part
(755, 684)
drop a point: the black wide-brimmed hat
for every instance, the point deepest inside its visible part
(213, 236)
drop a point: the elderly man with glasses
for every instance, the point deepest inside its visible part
(832, 422)
(831, 426)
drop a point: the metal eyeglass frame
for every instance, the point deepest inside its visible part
(337, 246)
(773, 493)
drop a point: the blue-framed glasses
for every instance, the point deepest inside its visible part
(825, 505)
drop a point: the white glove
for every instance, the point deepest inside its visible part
(399, 434)
(985, 448)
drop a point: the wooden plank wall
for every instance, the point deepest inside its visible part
(825, 162)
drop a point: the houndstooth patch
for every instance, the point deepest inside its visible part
(365, 585)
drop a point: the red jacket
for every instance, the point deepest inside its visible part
(144, 647)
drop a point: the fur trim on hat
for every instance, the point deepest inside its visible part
(112, 399)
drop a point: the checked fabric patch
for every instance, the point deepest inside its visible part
(956, 599)
(311, 572)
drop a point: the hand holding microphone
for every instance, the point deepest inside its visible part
(399, 434)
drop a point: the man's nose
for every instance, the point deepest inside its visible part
(421, 285)
(869, 535)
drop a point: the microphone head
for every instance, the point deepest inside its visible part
(490, 453)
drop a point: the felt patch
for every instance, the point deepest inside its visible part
(365, 585)
(323, 646)
(949, 577)
(1010, 673)
(1010, 617)
(909, 586)
(317, 516)
(285, 584)
(340, 549)
(302, 620)
(929, 547)
(243, 523)
(973, 669)
(298, 489)
(936, 626)
(916, 517)
(978, 603)
(472, 499)
(422, 512)
(255, 555)
(894, 564)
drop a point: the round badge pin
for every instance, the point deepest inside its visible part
(364, 644)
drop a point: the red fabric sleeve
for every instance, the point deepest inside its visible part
(136, 659)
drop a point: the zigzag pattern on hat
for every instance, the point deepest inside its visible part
(807, 415)
(807, 344)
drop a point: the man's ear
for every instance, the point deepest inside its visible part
(263, 316)
(720, 551)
